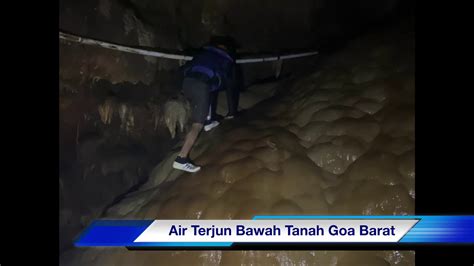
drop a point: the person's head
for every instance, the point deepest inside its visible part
(226, 43)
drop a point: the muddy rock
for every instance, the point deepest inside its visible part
(347, 149)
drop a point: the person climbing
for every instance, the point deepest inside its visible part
(210, 71)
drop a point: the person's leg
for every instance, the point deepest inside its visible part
(233, 93)
(232, 99)
(213, 105)
(197, 94)
(212, 119)
(190, 139)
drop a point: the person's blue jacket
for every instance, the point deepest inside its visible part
(216, 64)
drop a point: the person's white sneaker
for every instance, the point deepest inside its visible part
(210, 125)
(187, 167)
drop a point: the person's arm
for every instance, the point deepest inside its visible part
(232, 92)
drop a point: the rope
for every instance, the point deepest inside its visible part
(141, 51)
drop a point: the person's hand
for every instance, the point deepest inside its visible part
(216, 80)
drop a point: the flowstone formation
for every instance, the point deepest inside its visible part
(338, 141)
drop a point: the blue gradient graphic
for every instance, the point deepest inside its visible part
(442, 229)
(428, 230)
(112, 233)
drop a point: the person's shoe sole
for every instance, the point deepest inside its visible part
(211, 126)
(185, 167)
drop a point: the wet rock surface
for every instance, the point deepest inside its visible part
(337, 141)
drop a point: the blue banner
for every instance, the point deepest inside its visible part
(280, 229)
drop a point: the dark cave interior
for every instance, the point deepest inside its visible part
(121, 114)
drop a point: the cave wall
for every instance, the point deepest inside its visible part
(339, 140)
(111, 105)
(121, 113)
(265, 25)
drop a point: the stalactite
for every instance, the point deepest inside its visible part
(127, 119)
(106, 110)
(155, 114)
(175, 115)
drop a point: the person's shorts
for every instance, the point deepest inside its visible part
(197, 93)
